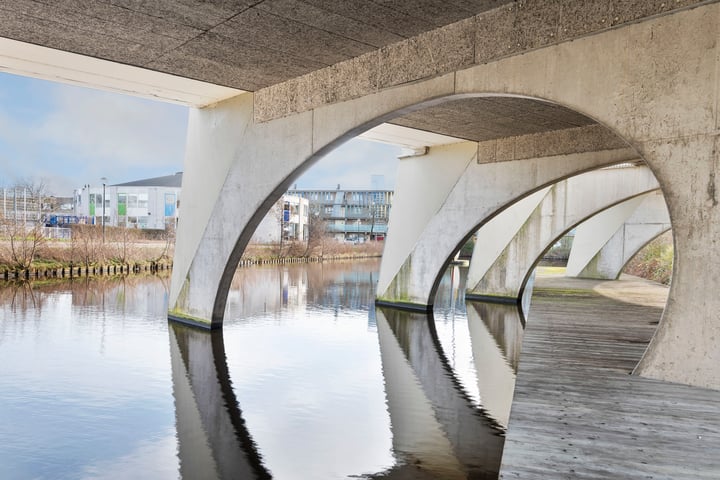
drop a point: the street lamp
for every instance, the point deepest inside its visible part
(104, 180)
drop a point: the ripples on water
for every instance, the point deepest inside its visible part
(307, 380)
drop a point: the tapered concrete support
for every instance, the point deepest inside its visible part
(567, 203)
(213, 441)
(480, 192)
(495, 235)
(435, 424)
(647, 217)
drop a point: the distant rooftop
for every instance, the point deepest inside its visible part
(166, 181)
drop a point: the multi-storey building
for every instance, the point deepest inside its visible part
(352, 215)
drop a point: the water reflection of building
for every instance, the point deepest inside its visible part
(269, 288)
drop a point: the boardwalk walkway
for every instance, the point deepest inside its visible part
(577, 413)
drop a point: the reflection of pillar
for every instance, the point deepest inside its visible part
(212, 436)
(434, 422)
(496, 334)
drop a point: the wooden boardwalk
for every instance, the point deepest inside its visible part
(577, 413)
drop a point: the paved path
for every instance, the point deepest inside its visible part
(577, 413)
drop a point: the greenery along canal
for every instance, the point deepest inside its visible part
(311, 382)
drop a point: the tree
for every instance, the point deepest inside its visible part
(317, 234)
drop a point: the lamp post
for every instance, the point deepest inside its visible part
(104, 180)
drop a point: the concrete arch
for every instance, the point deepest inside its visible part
(567, 203)
(658, 95)
(607, 242)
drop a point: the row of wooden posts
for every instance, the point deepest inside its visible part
(70, 272)
(152, 267)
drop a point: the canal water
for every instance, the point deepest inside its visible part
(307, 380)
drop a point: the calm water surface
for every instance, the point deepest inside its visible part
(307, 380)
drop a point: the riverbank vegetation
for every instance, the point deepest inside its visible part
(655, 261)
(92, 248)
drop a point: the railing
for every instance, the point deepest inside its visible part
(58, 233)
(355, 228)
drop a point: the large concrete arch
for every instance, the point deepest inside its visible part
(604, 244)
(658, 95)
(567, 203)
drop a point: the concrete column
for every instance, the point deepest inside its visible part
(567, 203)
(686, 345)
(476, 196)
(213, 440)
(596, 254)
(496, 234)
(422, 185)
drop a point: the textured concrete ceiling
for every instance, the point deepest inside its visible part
(250, 44)
(244, 44)
(482, 119)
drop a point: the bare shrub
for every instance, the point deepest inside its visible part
(22, 243)
(86, 245)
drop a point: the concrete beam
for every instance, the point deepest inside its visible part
(30, 60)
(597, 253)
(566, 204)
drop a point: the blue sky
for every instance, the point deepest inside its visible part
(68, 136)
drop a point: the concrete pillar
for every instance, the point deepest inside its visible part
(421, 188)
(496, 234)
(567, 203)
(410, 275)
(598, 254)
(686, 345)
(213, 440)
(434, 422)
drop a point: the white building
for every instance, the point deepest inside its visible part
(289, 215)
(152, 203)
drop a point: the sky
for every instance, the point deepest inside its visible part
(67, 136)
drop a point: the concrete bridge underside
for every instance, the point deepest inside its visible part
(505, 79)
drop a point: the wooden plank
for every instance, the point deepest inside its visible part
(577, 413)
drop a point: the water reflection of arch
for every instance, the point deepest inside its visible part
(213, 440)
(435, 424)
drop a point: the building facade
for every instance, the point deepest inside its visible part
(287, 220)
(152, 204)
(350, 215)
